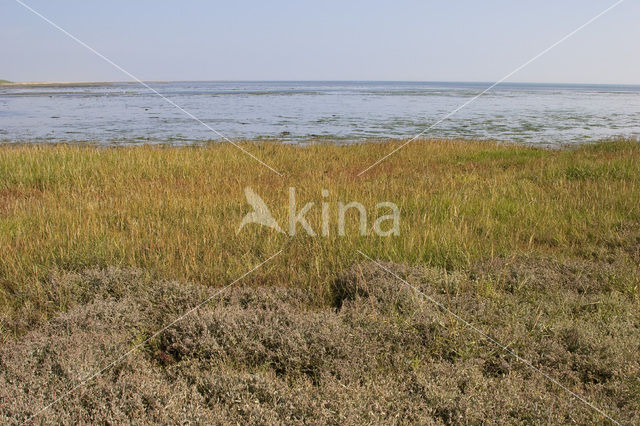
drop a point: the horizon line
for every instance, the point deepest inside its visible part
(164, 81)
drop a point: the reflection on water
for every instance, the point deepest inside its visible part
(296, 111)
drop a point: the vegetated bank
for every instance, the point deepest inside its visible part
(539, 248)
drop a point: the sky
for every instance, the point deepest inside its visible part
(421, 40)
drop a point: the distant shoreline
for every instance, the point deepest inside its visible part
(56, 83)
(6, 83)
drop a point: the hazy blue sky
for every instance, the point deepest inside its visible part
(454, 40)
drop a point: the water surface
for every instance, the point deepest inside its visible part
(298, 111)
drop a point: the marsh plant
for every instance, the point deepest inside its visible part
(385, 225)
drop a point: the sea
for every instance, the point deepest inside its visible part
(193, 112)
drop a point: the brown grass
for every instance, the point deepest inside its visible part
(373, 352)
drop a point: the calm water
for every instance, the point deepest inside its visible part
(297, 111)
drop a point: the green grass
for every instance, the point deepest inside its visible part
(174, 211)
